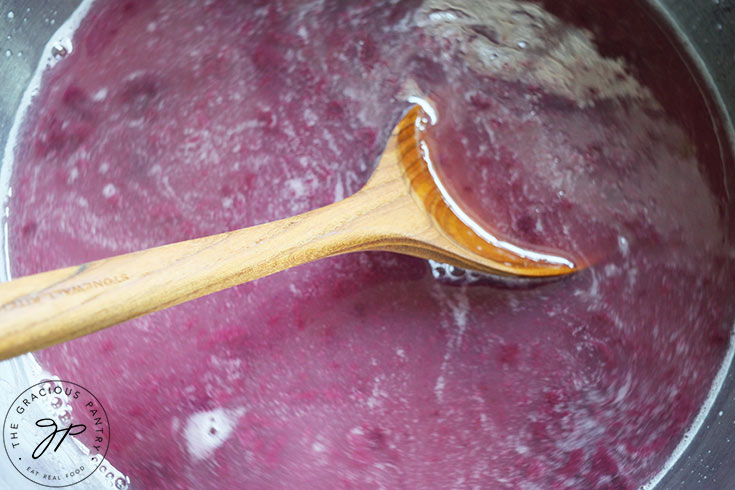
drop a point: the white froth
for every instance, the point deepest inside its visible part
(297, 187)
(571, 66)
(377, 396)
(100, 95)
(441, 383)
(208, 430)
(109, 190)
(73, 175)
(699, 419)
(339, 191)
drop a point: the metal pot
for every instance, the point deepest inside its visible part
(706, 29)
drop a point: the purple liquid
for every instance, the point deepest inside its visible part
(170, 122)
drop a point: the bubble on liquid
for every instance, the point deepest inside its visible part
(61, 48)
(65, 418)
(8, 53)
(11, 15)
(57, 402)
(453, 275)
(122, 483)
(58, 51)
(449, 274)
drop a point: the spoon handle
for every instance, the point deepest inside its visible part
(41, 310)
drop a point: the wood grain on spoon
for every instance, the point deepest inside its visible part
(400, 209)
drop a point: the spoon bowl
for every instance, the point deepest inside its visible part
(453, 235)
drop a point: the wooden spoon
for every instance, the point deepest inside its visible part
(403, 208)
